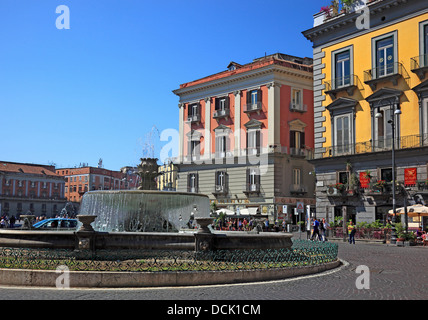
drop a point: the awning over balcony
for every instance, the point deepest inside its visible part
(421, 89)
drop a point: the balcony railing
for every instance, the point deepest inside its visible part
(298, 107)
(221, 113)
(252, 188)
(388, 72)
(194, 118)
(406, 142)
(220, 190)
(347, 83)
(419, 65)
(253, 107)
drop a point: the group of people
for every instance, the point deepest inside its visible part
(6, 222)
(319, 229)
(234, 224)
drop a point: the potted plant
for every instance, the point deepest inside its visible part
(326, 11)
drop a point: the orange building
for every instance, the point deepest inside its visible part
(246, 133)
(30, 188)
(80, 180)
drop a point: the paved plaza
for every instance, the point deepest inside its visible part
(395, 273)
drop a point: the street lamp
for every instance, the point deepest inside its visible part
(394, 105)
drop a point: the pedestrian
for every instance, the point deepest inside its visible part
(323, 229)
(351, 231)
(12, 221)
(316, 230)
(267, 224)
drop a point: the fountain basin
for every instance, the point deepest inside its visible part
(143, 210)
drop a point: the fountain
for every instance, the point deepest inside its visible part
(143, 210)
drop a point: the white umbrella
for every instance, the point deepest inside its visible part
(226, 211)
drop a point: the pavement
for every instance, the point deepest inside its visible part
(388, 273)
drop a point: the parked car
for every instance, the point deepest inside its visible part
(56, 224)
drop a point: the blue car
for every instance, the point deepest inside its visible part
(56, 224)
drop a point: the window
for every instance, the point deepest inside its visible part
(386, 174)
(194, 145)
(297, 176)
(193, 112)
(221, 104)
(296, 98)
(342, 69)
(220, 181)
(254, 97)
(221, 146)
(222, 141)
(253, 180)
(385, 57)
(192, 182)
(343, 177)
(342, 134)
(383, 129)
(253, 141)
(297, 142)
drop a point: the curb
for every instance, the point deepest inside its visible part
(92, 279)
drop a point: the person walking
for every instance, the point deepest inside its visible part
(316, 231)
(351, 231)
(323, 228)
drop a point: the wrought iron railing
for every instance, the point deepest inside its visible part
(406, 142)
(303, 253)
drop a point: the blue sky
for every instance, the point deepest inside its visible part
(98, 89)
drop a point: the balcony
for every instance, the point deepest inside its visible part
(195, 118)
(406, 142)
(390, 72)
(346, 84)
(218, 114)
(419, 65)
(220, 190)
(252, 188)
(298, 189)
(298, 107)
(253, 107)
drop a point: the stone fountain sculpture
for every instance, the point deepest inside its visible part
(148, 171)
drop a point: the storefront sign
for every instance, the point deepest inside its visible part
(410, 176)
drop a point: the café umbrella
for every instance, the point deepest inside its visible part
(417, 210)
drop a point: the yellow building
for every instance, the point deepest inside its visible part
(370, 91)
(167, 178)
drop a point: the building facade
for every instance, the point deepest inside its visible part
(80, 180)
(167, 179)
(30, 189)
(246, 134)
(370, 99)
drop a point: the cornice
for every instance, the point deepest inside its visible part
(270, 69)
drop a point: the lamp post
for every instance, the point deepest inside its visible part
(394, 106)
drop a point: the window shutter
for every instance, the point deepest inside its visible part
(189, 182)
(189, 110)
(216, 178)
(258, 138)
(197, 182)
(292, 139)
(226, 103)
(217, 147)
(302, 140)
(248, 97)
(259, 95)
(217, 104)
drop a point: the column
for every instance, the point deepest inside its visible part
(274, 115)
(237, 121)
(181, 133)
(207, 134)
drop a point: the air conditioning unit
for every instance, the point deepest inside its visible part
(332, 191)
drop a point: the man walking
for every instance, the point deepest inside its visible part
(316, 231)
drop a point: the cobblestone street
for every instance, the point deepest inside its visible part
(396, 273)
